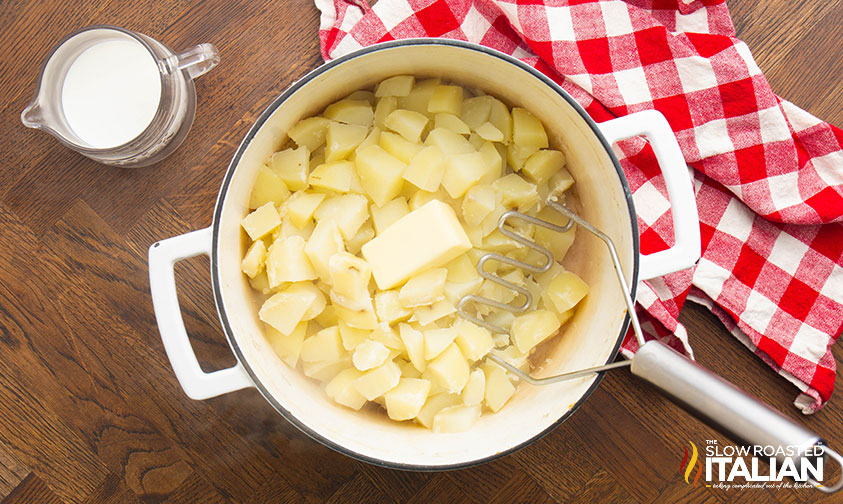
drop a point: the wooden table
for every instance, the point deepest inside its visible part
(89, 408)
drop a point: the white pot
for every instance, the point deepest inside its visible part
(592, 338)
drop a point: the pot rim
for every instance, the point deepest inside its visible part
(216, 281)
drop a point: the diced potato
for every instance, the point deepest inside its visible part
(253, 262)
(463, 171)
(287, 347)
(493, 160)
(406, 400)
(325, 241)
(325, 371)
(287, 262)
(437, 340)
(260, 283)
(532, 328)
(288, 229)
(517, 156)
(421, 198)
(364, 95)
(527, 130)
(488, 131)
(388, 336)
(350, 277)
(419, 96)
(566, 290)
(341, 140)
(385, 106)
(543, 164)
(413, 341)
(426, 169)
(268, 187)
(300, 207)
(328, 316)
(342, 390)
(449, 369)
(479, 202)
(380, 173)
(292, 165)
(309, 132)
(347, 111)
(352, 336)
(369, 354)
(446, 99)
(475, 389)
(407, 369)
(376, 382)
(424, 289)
(474, 341)
(261, 222)
(359, 319)
(461, 269)
(557, 243)
(475, 140)
(325, 345)
(363, 236)
(389, 309)
(372, 138)
(501, 318)
(456, 418)
(407, 123)
(451, 122)
(348, 211)
(454, 291)
(319, 302)
(475, 111)
(400, 85)
(434, 404)
(399, 147)
(449, 143)
(500, 117)
(426, 315)
(332, 176)
(560, 181)
(498, 387)
(284, 310)
(386, 215)
(517, 192)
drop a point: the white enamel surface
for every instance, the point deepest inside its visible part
(588, 340)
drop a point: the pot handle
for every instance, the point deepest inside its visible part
(163, 256)
(686, 250)
(729, 409)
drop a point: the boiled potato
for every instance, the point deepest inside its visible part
(348, 175)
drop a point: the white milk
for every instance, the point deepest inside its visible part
(111, 93)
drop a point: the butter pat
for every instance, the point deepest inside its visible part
(425, 238)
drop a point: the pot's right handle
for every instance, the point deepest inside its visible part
(686, 228)
(163, 256)
(727, 408)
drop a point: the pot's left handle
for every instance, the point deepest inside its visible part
(163, 256)
(686, 227)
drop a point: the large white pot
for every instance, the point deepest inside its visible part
(592, 338)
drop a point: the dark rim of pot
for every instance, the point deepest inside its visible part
(236, 159)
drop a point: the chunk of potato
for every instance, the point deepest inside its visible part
(364, 95)
(476, 110)
(479, 201)
(516, 192)
(261, 222)
(287, 262)
(488, 131)
(342, 390)
(532, 328)
(284, 310)
(456, 418)
(435, 404)
(341, 140)
(473, 341)
(566, 290)
(449, 369)
(557, 243)
(426, 315)
(325, 371)
(407, 123)
(268, 187)
(332, 176)
(423, 289)
(399, 147)
(350, 276)
(501, 119)
(451, 122)
(253, 261)
(386, 215)
(419, 96)
(463, 171)
(426, 169)
(498, 387)
(292, 165)
(352, 336)
(325, 345)
(376, 382)
(300, 207)
(319, 302)
(413, 341)
(437, 340)
(446, 99)
(380, 173)
(406, 400)
(363, 236)
(543, 164)
(449, 143)
(369, 354)
(310, 132)
(287, 347)
(475, 389)
(325, 241)
(389, 309)
(527, 130)
(358, 112)
(359, 319)
(348, 211)
(384, 107)
(560, 181)
(399, 85)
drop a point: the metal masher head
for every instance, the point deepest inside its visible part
(504, 228)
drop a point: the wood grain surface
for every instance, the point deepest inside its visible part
(90, 410)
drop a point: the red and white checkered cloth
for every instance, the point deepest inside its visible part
(769, 176)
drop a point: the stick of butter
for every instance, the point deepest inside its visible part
(425, 238)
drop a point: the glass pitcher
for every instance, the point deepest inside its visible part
(169, 123)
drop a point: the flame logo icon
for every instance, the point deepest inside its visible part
(686, 470)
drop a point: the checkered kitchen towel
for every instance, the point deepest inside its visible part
(769, 176)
